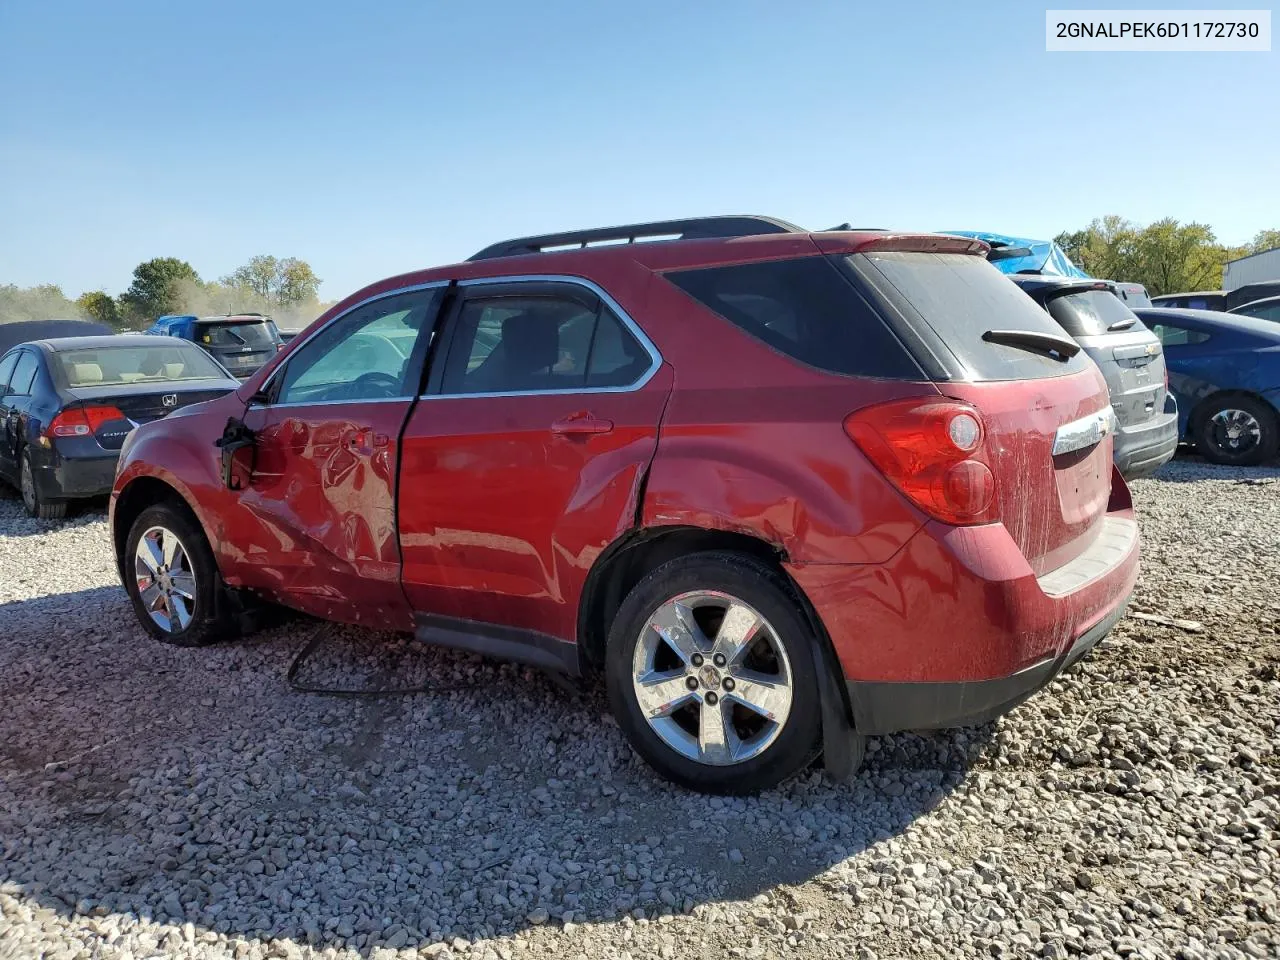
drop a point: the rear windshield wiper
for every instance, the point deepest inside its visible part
(231, 333)
(1124, 324)
(1061, 348)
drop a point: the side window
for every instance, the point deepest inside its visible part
(537, 343)
(364, 355)
(1270, 311)
(6, 372)
(24, 374)
(1172, 336)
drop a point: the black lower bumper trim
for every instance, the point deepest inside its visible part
(892, 707)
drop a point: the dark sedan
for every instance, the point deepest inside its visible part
(1267, 308)
(66, 406)
(1225, 371)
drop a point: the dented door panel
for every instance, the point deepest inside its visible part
(322, 499)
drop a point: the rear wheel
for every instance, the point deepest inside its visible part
(712, 674)
(173, 579)
(1238, 430)
(37, 505)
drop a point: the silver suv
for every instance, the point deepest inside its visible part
(1130, 357)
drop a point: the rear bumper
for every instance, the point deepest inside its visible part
(957, 628)
(1142, 449)
(60, 477)
(891, 707)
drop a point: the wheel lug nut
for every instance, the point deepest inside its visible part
(728, 683)
(719, 660)
(711, 698)
(696, 660)
(691, 683)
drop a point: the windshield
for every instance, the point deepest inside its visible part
(260, 334)
(118, 366)
(1088, 313)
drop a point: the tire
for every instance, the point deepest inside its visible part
(189, 607)
(37, 506)
(681, 743)
(1254, 423)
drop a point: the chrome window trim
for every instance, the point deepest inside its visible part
(632, 327)
(294, 348)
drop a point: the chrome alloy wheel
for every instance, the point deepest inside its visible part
(712, 678)
(166, 582)
(28, 485)
(1235, 431)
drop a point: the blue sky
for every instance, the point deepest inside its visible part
(372, 138)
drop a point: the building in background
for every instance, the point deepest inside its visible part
(1256, 268)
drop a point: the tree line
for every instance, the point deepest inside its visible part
(1165, 256)
(285, 288)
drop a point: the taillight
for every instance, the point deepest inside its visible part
(933, 451)
(82, 421)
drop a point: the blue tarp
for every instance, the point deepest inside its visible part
(1046, 256)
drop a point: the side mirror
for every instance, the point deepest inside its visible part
(236, 447)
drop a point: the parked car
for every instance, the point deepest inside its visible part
(1225, 370)
(1224, 300)
(1133, 294)
(1267, 308)
(1129, 356)
(785, 489)
(1198, 300)
(12, 334)
(66, 406)
(242, 343)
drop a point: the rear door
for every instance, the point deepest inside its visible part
(1044, 403)
(322, 493)
(1128, 354)
(524, 460)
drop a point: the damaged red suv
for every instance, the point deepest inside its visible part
(785, 489)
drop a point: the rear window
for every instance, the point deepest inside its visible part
(117, 366)
(806, 309)
(959, 298)
(1091, 312)
(261, 333)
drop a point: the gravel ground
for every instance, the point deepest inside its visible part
(166, 802)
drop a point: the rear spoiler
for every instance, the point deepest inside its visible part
(887, 242)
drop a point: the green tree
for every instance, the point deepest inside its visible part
(279, 282)
(1264, 240)
(296, 282)
(155, 287)
(99, 306)
(258, 275)
(1166, 256)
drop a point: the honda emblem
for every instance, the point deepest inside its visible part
(169, 400)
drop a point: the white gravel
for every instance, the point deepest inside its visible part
(156, 801)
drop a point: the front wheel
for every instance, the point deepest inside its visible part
(173, 580)
(1239, 431)
(712, 674)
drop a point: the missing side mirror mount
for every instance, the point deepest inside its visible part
(236, 438)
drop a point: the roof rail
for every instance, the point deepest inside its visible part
(698, 228)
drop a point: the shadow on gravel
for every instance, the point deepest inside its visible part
(139, 781)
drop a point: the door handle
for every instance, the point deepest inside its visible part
(581, 424)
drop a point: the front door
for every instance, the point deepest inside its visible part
(525, 459)
(322, 492)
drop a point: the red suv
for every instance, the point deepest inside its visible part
(786, 489)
